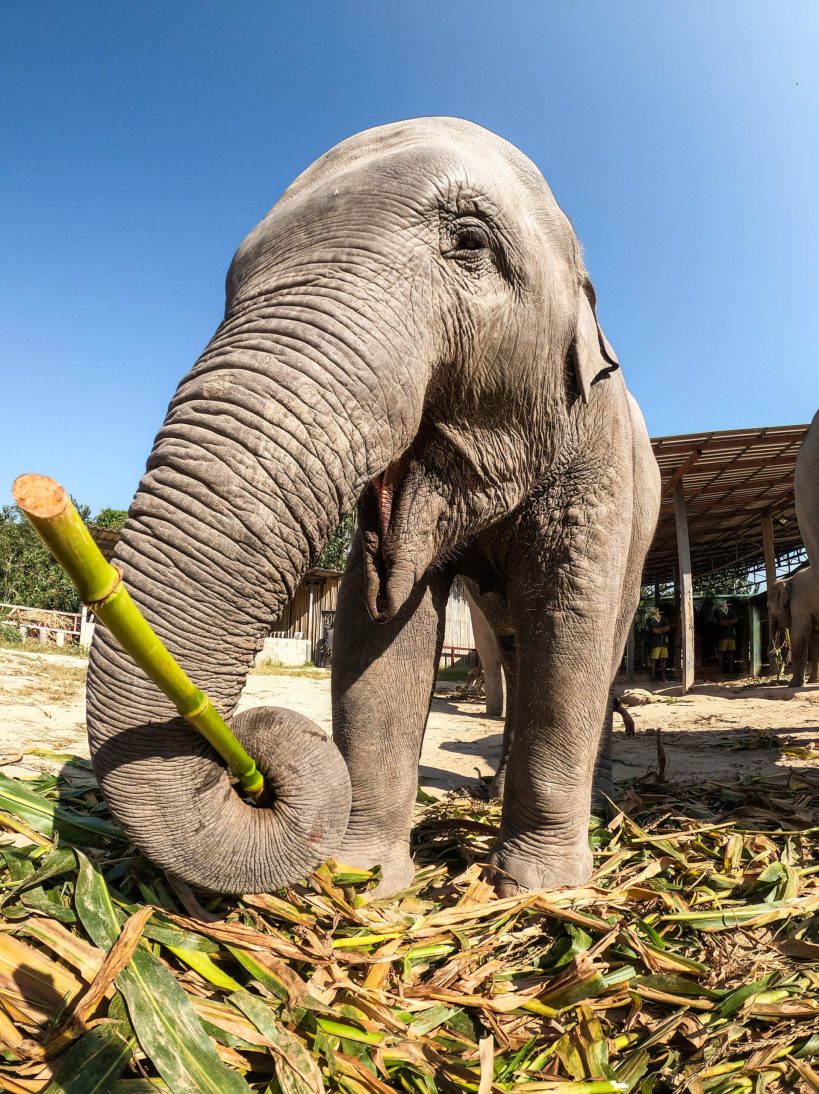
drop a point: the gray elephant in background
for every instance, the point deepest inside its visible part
(806, 488)
(411, 328)
(489, 652)
(793, 604)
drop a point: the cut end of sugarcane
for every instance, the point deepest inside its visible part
(39, 496)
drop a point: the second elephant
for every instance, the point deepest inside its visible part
(793, 604)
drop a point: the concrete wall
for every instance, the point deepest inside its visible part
(285, 651)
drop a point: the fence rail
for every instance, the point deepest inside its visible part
(42, 624)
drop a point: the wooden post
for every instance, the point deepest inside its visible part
(769, 551)
(754, 635)
(686, 589)
(630, 655)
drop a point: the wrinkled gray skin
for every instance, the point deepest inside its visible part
(793, 605)
(806, 487)
(411, 326)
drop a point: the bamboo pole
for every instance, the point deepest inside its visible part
(99, 584)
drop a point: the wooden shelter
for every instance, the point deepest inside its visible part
(727, 507)
(311, 612)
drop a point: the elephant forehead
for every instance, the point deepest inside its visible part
(457, 140)
(393, 173)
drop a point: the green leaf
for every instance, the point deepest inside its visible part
(95, 1061)
(49, 819)
(350, 1033)
(18, 863)
(201, 963)
(731, 1003)
(431, 1019)
(58, 862)
(266, 978)
(138, 1086)
(168, 1029)
(296, 1069)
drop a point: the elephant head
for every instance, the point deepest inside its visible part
(410, 325)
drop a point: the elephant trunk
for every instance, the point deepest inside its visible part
(266, 443)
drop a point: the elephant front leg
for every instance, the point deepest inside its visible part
(813, 662)
(382, 683)
(564, 658)
(800, 652)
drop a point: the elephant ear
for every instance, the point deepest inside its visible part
(594, 357)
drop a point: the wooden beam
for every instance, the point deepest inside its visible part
(686, 590)
(681, 472)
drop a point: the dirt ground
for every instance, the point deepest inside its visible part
(719, 731)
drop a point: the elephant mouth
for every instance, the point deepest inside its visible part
(389, 571)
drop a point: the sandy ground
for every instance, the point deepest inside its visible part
(718, 731)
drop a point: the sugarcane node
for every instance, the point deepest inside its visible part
(39, 496)
(200, 708)
(95, 605)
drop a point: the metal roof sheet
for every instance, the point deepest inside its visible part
(731, 478)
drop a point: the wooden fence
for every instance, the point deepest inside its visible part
(42, 625)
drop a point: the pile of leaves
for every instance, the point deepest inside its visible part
(689, 963)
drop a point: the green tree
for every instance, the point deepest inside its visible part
(28, 574)
(722, 585)
(110, 518)
(334, 555)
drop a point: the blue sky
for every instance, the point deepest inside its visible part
(143, 140)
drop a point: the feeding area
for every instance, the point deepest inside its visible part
(688, 962)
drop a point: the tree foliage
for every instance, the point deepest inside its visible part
(28, 574)
(110, 518)
(334, 555)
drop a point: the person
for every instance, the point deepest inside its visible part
(628, 721)
(659, 651)
(728, 636)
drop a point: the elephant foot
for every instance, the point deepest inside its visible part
(512, 870)
(397, 868)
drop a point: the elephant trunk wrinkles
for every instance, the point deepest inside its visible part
(255, 463)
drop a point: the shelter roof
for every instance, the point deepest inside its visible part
(105, 538)
(730, 480)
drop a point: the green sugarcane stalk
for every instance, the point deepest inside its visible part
(55, 519)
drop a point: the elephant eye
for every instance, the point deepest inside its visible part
(471, 239)
(465, 238)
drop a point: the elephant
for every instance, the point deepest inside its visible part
(793, 604)
(411, 329)
(806, 489)
(488, 647)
